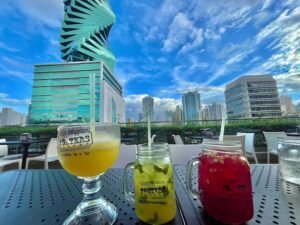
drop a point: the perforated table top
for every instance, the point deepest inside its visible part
(275, 201)
(44, 197)
(47, 197)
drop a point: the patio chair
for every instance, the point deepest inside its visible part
(153, 137)
(249, 145)
(177, 139)
(126, 155)
(272, 142)
(49, 156)
(181, 154)
(240, 139)
(3, 154)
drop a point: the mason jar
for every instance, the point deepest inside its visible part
(289, 159)
(154, 194)
(224, 181)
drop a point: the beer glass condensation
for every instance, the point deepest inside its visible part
(87, 151)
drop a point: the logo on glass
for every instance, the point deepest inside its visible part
(75, 139)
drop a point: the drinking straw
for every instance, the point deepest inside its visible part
(149, 130)
(221, 137)
(92, 98)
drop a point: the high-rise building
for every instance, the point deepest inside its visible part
(148, 108)
(252, 97)
(177, 115)
(9, 117)
(168, 115)
(287, 106)
(191, 106)
(215, 111)
(83, 88)
(204, 113)
(131, 120)
(298, 107)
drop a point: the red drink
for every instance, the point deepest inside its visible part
(225, 187)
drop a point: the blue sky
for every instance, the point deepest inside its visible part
(162, 47)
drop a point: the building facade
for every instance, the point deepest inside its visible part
(298, 107)
(191, 106)
(9, 117)
(252, 97)
(177, 115)
(83, 88)
(148, 108)
(287, 106)
(215, 111)
(75, 92)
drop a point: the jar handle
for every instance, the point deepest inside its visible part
(192, 162)
(129, 196)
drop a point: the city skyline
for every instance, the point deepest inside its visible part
(249, 37)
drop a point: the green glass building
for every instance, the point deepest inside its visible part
(83, 88)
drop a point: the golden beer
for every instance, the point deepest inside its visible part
(90, 161)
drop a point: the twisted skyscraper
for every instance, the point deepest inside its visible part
(83, 88)
(85, 30)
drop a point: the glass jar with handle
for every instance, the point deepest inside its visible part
(224, 182)
(289, 159)
(154, 194)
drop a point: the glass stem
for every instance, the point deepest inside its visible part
(91, 194)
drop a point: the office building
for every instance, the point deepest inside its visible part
(83, 88)
(287, 106)
(204, 113)
(75, 92)
(191, 106)
(131, 120)
(148, 108)
(298, 107)
(177, 115)
(9, 117)
(252, 97)
(215, 111)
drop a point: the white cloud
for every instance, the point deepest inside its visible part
(49, 13)
(183, 32)
(8, 48)
(7, 101)
(133, 105)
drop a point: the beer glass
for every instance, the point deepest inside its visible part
(87, 151)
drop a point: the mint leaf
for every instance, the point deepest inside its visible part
(157, 169)
(165, 169)
(138, 167)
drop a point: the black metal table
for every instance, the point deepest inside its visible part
(275, 201)
(47, 197)
(25, 146)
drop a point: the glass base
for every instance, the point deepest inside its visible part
(96, 212)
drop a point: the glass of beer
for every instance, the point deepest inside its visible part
(87, 151)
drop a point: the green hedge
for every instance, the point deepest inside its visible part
(164, 132)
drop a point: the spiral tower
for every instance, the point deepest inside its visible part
(85, 30)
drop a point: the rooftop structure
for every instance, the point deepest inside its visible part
(85, 30)
(252, 97)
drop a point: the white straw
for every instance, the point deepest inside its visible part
(221, 137)
(149, 130)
